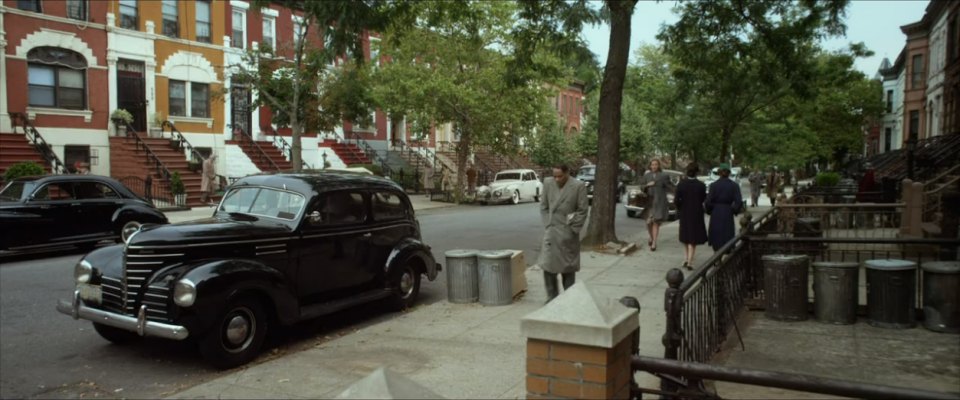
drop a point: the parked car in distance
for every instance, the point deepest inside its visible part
(715, 174)
(588, 175)
(81, 210)
(634, 203)
(279, 249)
(512, 185)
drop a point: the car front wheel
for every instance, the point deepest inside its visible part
(516, 197)
(405, 284)
(237, 336)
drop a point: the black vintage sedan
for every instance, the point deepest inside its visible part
(279, 249)
(56, 210)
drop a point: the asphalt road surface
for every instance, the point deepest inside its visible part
(45, 354)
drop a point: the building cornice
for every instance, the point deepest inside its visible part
(53, 18)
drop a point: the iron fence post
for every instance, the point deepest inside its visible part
(673, 335)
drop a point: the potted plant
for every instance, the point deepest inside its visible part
(157, 129)
(178, 189)
(120, 119)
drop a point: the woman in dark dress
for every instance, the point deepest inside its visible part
(723, 202)
(689, 199)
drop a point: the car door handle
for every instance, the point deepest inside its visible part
(367, 235)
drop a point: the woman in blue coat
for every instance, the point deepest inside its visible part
(690, 196)
(723, 202)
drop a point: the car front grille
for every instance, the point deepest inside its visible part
(125, 295)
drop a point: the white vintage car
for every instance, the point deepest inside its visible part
(512, 185)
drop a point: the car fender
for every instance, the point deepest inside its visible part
(139, 213)
(219, 282)
(411, 248)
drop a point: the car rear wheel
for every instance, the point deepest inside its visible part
(631, 213)
(237, 336)
(115, 335)
(405, 284)
(515, 199)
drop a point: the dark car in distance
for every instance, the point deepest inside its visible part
(279, 249)
(56, 210)
(588, 175)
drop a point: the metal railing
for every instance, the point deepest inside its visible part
(854, 220)
(933, 193)
(41, 145)
(158, 193)
(281, 144)
(261, 155)
(179, 142)
(151, 157)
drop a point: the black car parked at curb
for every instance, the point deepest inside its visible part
(58, 210)
(279, 249)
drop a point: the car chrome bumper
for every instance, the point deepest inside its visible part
(140, 325)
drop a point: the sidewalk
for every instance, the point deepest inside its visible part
(419, 202)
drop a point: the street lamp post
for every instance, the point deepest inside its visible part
(324, 156)
(911, 148)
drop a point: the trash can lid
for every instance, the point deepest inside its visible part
(942, 267)
(835, 264)
(495, 254)
(890, 265)
(461, 253)
(784, 258)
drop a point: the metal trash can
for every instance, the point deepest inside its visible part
(807, 227)
(462, 281)
(891, 293)
(785, 286)
(496, 281)
(941, 296)
(835, 292)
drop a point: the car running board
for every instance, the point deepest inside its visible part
(316, 310)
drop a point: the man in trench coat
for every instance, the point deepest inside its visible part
(563, 209)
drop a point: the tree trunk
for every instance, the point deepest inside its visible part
(601, 228)
(726, 134)
(463, 151)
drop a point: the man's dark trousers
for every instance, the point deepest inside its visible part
(550, 282)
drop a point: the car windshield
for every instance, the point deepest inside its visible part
(266, 202)
(14, 190)
(587, 172)
(508, 175)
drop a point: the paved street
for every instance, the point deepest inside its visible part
(47, 355)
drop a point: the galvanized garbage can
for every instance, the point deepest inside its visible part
(496, 282)
(785, 285)
(835, 292)
(891, 293)
(941, 296)
(462, 282)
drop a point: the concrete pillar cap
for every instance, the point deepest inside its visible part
(580, 316)
(386, 384)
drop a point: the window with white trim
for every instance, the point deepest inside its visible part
(56, 78)
(269, 31)
(171, 25)
(189, 99)
(375, 51)
(77, 9)
(128, 14)
(29, 5)
(297, 30)
(238, 37)
(203, 21)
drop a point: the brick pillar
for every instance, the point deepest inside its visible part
(579, 347)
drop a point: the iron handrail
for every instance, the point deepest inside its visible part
(792, 381)
(262, 155)
(953, 170)
(374, 156)
(181, 140)
(152, 157)
(33, 135)
(280, 143)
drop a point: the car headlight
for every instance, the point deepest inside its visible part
(184, 293)
(497, 193)
(83, 271)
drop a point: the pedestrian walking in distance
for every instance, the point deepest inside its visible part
(756, 184)
(656, 183)
(208, 179)
(723, 203)
(773, 187)
(689, 199)
(563, 209)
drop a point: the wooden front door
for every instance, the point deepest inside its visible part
(131, 92)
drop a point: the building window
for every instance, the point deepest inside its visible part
(953, 39)
(889, 101)
(203, 21)
(887, 139)
(269, 32)
(128, 14)
(198, 97)
(29, 5)
(375, 51)
(170, 22)
(56, 78)
(77, 9)
(238, 39)
(74, 155)
(298, 32)
(199, 100)
(916, 72)
(914, 123)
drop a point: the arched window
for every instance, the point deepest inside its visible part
(57, 78)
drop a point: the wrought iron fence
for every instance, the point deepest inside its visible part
(855, 220)
(156, 192)
(280, 143)
(151, 157)
(261, 155)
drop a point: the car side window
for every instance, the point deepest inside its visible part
(387, 206)
(341, 208)
(94, 190)
(55, 191)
